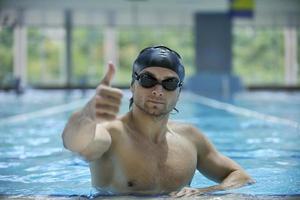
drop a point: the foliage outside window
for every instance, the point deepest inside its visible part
(6, 56)
(132, 41)
(45, 56)
(258, 53)
(88, 56)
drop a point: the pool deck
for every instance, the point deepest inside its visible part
(202, 197)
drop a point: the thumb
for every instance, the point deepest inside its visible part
(109, 75)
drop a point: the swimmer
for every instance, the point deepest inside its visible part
(143, 152)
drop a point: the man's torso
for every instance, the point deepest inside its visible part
(136, 165)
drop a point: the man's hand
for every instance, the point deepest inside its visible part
(189, 192)
(83, 133)
(105, 104)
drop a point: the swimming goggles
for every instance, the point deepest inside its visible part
(147, 80)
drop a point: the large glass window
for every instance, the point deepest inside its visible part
(88, 56)
(259, 55)
(298, 54)
(46, 56)
(6, 56)
(132, 40)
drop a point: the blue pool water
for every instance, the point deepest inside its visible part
(263, 138)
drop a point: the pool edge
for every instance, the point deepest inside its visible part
(202, 197)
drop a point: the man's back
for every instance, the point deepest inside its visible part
(135, 164)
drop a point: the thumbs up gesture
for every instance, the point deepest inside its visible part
(105, 105)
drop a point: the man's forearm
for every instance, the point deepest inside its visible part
(236, 179)
(79, 132)
(82, 134)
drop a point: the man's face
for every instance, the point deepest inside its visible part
(155, 100)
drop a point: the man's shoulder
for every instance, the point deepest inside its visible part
(192, 133)
(184, 128)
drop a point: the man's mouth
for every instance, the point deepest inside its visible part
(155, 101)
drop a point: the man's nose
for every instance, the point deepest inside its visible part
(157, 90)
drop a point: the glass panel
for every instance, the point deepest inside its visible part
(132, 40)
(88, 56)
(6, 57)
(46, 56)
(259, 55)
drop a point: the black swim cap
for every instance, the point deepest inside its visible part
(159, 56)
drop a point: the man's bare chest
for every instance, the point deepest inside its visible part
(146, 167)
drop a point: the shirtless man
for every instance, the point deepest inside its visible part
(143, 152)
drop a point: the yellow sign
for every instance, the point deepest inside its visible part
(242, 8)
(242, 4)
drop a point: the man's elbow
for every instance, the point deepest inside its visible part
(66, 142)
(249, 180)
(72, 143)
(236, 179)
(245, 179)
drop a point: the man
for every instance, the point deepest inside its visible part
(143, 152)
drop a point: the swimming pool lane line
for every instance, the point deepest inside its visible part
(198, 98)
(43, 112)
(242, 111)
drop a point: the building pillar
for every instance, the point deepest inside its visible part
(290, 56)
(111, 46)
(68, 47)
(213, 39)
(213, 42)
(20, 52)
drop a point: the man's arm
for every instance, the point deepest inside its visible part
(85, 132)
(216, 167)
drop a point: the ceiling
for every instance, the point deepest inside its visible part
(141, 12)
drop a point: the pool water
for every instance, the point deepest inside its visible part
(11, 104)
(34, 162)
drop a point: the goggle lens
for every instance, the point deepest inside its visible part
(147, 81)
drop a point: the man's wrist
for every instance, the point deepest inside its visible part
(210, 189)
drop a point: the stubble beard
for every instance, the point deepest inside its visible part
(154, 112)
